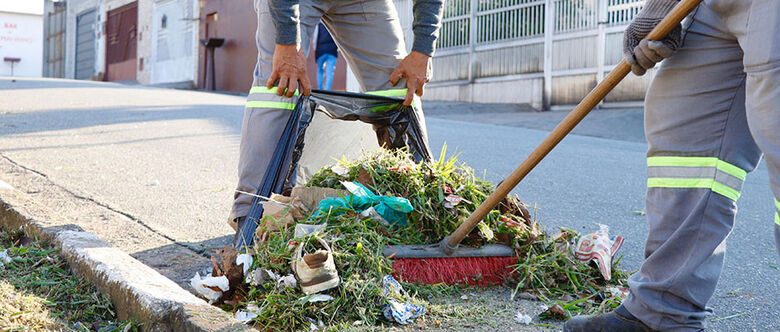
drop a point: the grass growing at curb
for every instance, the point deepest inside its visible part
(39, 292)
(545, 266)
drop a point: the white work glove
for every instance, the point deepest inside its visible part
(644, 54)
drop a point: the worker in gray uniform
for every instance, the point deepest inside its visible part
(370, 36)
(710, 112)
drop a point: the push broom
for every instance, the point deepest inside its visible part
(448, 262)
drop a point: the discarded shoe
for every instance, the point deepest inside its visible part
(316, 272)
(618, 320)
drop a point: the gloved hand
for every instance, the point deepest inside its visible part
(644, 54)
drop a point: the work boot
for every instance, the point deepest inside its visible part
(618, 320)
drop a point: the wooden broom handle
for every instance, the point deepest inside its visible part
(577, 114)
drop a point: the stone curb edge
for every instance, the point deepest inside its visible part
(138, 291)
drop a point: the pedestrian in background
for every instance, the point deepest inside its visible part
(326, 53)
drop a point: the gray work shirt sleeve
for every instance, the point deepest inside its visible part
(427, 20)
(286, 16)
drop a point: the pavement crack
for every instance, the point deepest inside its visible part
(200, 251)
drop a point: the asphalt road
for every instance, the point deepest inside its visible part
(167, 158)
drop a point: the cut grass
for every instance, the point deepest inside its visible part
(39, 292)
(545, 266)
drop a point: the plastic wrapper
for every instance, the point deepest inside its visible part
(398, 308)
(396, 126)
(391, 209)
(598, 247)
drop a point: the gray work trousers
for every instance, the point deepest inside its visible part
(369, 35)
(711, 111)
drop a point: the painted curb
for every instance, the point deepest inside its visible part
(138, 291)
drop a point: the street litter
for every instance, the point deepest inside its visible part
(247, 315)
(522, 318)
(316, 271)
(302, 230)
(4, 258)
(555, 312)
(245, 261)
(333, 249)
(210, 287)
(598, 247)
(399, 306)
(287, 281)
(619, 292)
(316, 298)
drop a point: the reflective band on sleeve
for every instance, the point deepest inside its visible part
(695, 172)
(262, 89)
(389, 93)
(270, 104)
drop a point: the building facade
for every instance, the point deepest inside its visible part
(21, 42)
(143, 41)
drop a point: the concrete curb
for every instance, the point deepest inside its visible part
(138, 291)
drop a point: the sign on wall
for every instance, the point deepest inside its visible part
(21, 44)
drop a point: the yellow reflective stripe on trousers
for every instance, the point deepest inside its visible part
(262, 89)
(693, 183)
(270, 104)
(777, 212)
(389, 93)
(698, 162)
(695, 172)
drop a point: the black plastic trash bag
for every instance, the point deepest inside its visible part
(396, 126)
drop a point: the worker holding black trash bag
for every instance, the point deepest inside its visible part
(711, 111)
(370, 37)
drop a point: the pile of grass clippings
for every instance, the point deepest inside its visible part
(443, 193)
(39, 292)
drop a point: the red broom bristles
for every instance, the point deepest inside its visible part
(475, 271)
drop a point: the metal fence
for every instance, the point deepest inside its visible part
(567, 43)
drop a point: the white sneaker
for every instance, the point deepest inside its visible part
(315, 272)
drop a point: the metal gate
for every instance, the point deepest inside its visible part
(54, 47)
(121, 43)
(85, 44)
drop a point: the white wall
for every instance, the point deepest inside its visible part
(175, 47)
(21, 36)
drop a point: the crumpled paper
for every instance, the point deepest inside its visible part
(4, 258)
(210, 287)
(247, 260)
(522, 318)
(598, 247)
(284, 281)
(247, 315)
(398, 307)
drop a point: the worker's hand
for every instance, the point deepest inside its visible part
(416, 68)
(289, 68)
(644, 54)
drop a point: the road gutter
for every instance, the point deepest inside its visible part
(138, 291)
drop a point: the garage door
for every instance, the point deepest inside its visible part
(85, 45)
(121, 44)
